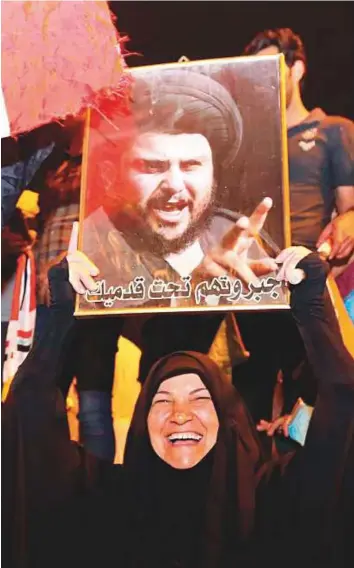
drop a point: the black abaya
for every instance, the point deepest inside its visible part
(301, 510)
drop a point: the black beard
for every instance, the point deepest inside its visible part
(162, 247)
(143, 239)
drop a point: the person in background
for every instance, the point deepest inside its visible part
(54, 178)
(92, 357)
(321, 169)
(321, 156)
(20, 160)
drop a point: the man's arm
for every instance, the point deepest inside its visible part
(344, 223)
(340, 231)
(344, 198)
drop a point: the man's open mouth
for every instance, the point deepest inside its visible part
(180, 438)
(170, 211)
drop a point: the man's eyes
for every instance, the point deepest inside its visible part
(150, 166)
(157, 166)
(190, 165)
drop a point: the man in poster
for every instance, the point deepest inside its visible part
(159, 224)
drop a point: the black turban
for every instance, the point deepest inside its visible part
(185, 101)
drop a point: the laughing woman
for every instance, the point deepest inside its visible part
(197, 490)
(200, 494)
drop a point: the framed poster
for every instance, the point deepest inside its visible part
(168, 178)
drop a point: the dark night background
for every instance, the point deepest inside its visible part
(163, 31)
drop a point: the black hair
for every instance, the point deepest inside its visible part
(287, 42)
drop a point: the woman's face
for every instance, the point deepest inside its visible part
(182, 421)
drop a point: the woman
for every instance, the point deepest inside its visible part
(227, 500)
(189, 466)
(199, 492)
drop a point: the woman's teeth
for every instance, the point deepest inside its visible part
(178, 436)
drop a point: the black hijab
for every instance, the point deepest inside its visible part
(201, 516)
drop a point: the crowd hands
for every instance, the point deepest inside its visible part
(278, 426)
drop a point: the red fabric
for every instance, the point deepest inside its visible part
(56, 56)
(24, 334)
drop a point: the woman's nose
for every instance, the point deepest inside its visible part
(181, 415)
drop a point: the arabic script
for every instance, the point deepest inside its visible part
(233, 290)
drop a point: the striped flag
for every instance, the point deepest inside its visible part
(23, 316)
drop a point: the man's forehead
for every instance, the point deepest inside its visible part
(163, 146)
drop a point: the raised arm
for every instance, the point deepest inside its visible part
(50, 350)
(44, 362)
(314, 314)
(40, 464)
(318, 493)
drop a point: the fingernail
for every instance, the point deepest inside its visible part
(243, 222)
(268, 202)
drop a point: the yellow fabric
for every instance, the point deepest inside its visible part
(5, 389)
(126, 390)
(28, 203)
(227, 349)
